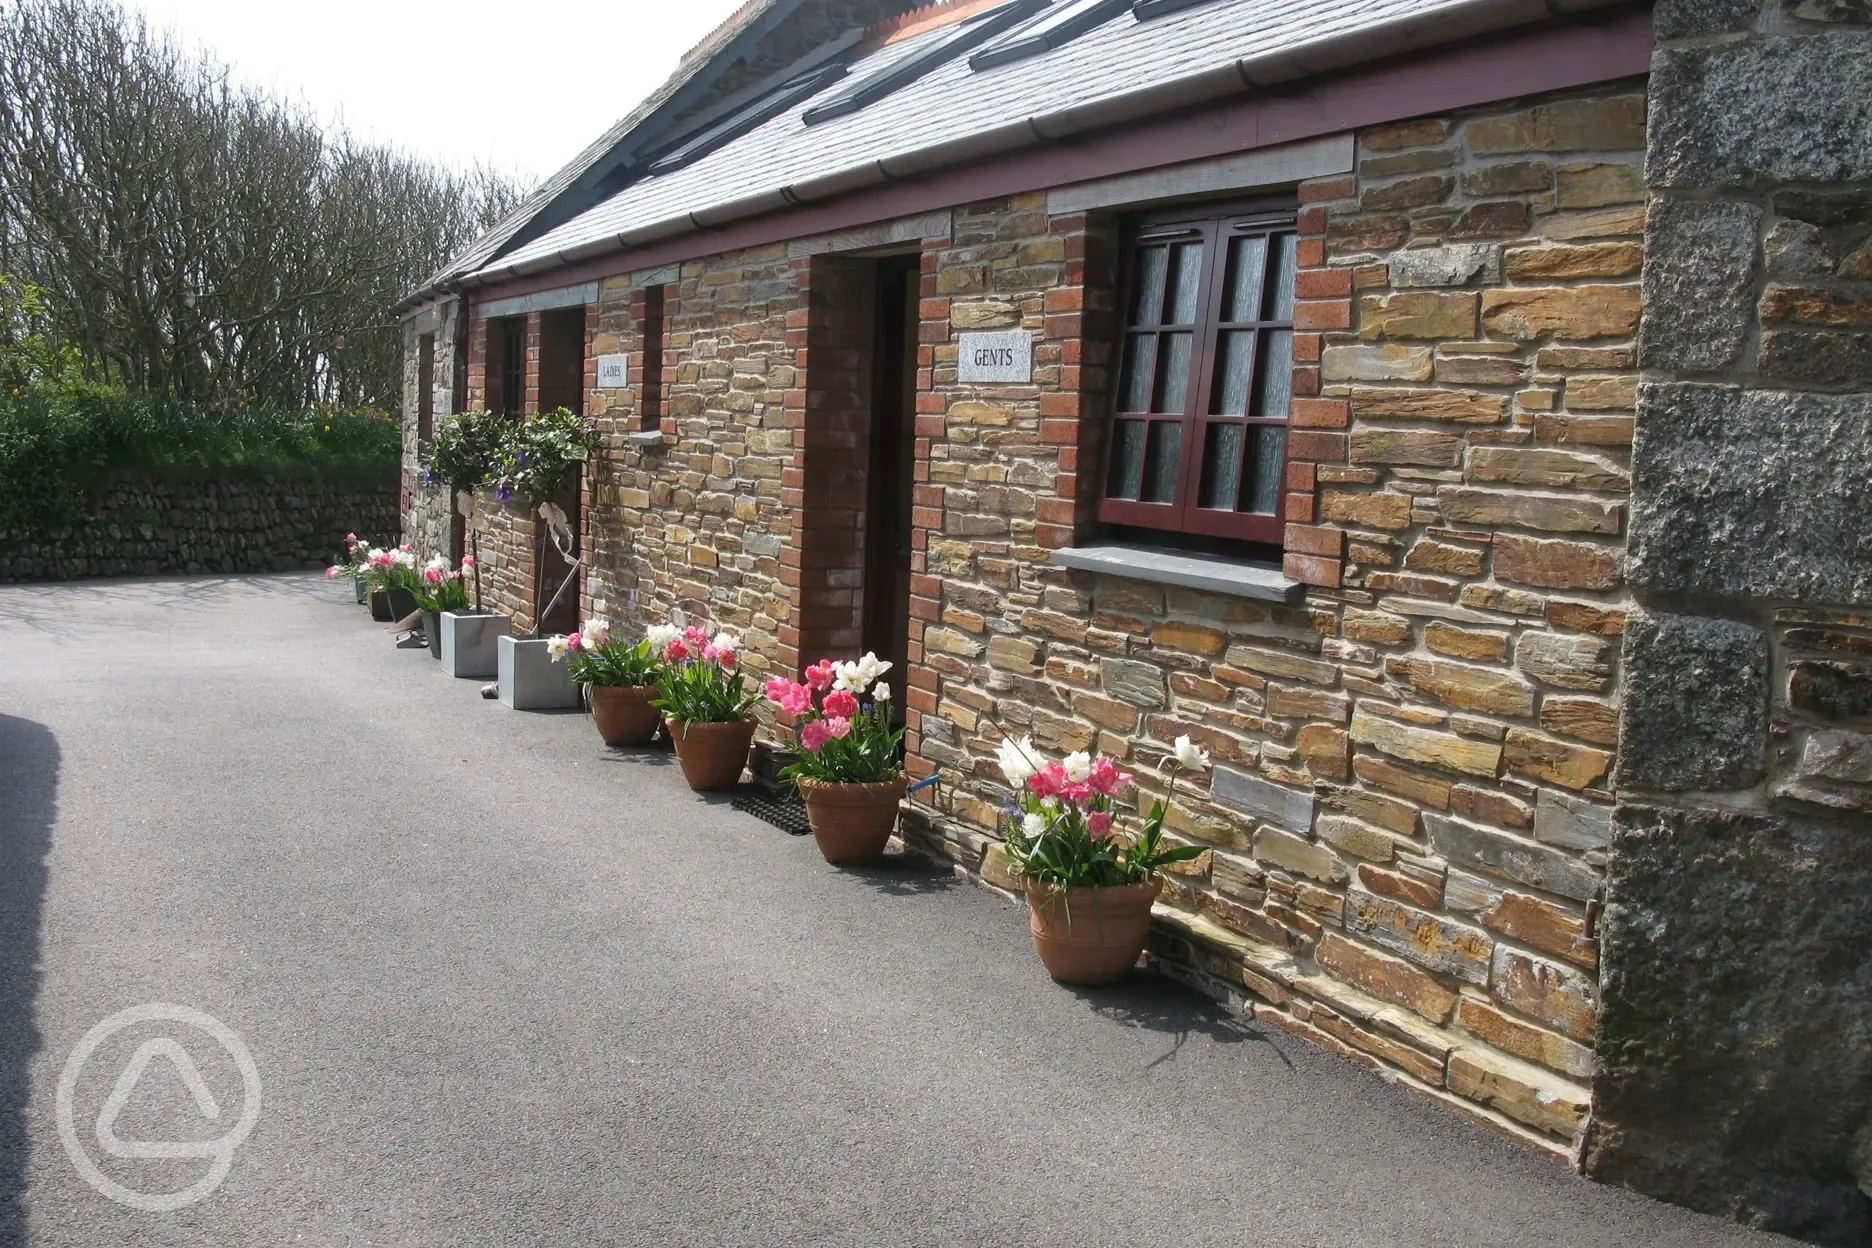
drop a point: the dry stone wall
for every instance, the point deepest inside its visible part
(143, 528)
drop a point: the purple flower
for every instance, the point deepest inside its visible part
(503, 492)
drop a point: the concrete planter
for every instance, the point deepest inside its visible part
(529, 679)
(468, 644)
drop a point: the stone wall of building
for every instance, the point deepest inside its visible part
(1411, 805)
(1411, 801)
(428, 512)
(1736, 1036)
(145, 528)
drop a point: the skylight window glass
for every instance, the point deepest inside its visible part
(746, 118)
(902, 72)
(1144, 10)
(1055, 28)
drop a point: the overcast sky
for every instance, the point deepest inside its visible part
(521, 86)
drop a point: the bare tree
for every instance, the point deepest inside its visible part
(199, 237)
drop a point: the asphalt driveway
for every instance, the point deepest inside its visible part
(501, 986)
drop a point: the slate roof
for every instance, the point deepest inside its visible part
(1122, 68)
(693, 64)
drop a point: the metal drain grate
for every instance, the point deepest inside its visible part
(786, 811)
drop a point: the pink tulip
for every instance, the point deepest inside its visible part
(840, 703)
(797, 701)
(696, 636)
(675, 652)
(1105, 777)
(1048, 781)
(572, 643)
(776, 688)
(837, 726)
(1098, 824)
(819, 675)
(813, 734)
(433, 575)
(727, 659)
(331, 572)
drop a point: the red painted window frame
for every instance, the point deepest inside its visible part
(1215, 225)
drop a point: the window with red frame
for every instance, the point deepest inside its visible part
(1205, 375)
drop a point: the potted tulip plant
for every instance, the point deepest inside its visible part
(619, 678)
(846, 764)
(705, 703)
(1089, 883)
(441, 588)
(352, 569)
(393, 580)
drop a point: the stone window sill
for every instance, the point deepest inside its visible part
(1214, 574)
(646, 437)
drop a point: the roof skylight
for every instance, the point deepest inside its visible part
(905, 70)
(1144, 10)
(1059, 25)
(693, 147)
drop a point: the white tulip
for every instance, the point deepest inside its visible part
(556, 647)
(726, 643)
(1190, 755)
(882, 692)
(1016, 759)
(1033, 824)
(661, 635)
(1078, 766)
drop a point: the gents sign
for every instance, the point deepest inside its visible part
(611, 372)
(1006, 355)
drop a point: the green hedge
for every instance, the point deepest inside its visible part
(56, 450)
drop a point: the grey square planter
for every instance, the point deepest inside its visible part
(468, 643)
(530, 680)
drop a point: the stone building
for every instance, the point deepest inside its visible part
(1453, 415)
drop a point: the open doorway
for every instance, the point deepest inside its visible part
(562, 340)
(891, 466)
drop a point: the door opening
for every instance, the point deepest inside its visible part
(562, 342)
(891, 471)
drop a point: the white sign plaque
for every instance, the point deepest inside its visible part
(611, 373)
(1004, 355)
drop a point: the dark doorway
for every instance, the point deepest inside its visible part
(561, 384)
(891, 468)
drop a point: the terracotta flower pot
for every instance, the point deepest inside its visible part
(712, 755)
(1090, 935)
(623, 714)
(852, 822)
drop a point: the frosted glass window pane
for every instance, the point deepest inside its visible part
(1222, 465)
(1162, 461)
(1147, 298)
(1185, 279)
(1281, 289)
(1234, 370)
(1276, 373)
(1134, 390)
(1127, 459)
(1247, 262)
(1264, 487)
(1173, 367)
